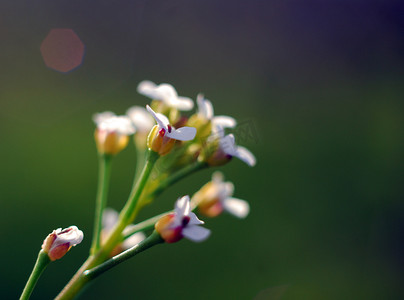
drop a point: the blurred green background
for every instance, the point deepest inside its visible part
(320, 84)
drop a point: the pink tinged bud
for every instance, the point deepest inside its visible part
(59, 251)
(60, 241)
(211, 207)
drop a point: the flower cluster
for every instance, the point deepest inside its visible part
(170, 145)
(204, 132)
(180, 140)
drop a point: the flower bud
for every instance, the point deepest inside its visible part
(112, 133)
(60, 241)
(208, 199)
(110, 142)
(210, 206)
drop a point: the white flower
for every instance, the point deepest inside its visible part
(189, 221)
(109, 122)
(216, 196)
(100, 117)
(140, 118)
(60, 241)
(182, 223)
(182, 134)
(112, 132)
(205, 109)
(109, 219)
(166, 93)
(228, 145)
(226, 149)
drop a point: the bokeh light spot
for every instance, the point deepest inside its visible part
(62, 50)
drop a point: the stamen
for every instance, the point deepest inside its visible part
(169, 128)
(162, 132)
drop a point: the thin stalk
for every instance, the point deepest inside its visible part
(40, 265)
(140, 160)
(149, 242)
(144, 225)
(177, 176)
(127, 215)
(127, 212)
(104, 173)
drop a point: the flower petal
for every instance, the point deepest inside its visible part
(224, 121)
(120, 124)
(140, 118)
(196, 233)
(158, 117)
(146, 88)
(166, 92)
(101, 117)
(225, 189)
(217, 177)
(181, 103)
(109, 218)
(227, 144)
(194, 220)
(182, 134)
(245, 155)
(71, 235)
(162, 92)
(236, 207)
(205, 107)
(182, 207)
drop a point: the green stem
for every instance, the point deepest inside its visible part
(130, 210)
(104, 173)
(127, 215)
(149, 242)
(144, 225)
(75, 285)
(177, 176)
(140, 159)
(40, 265)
